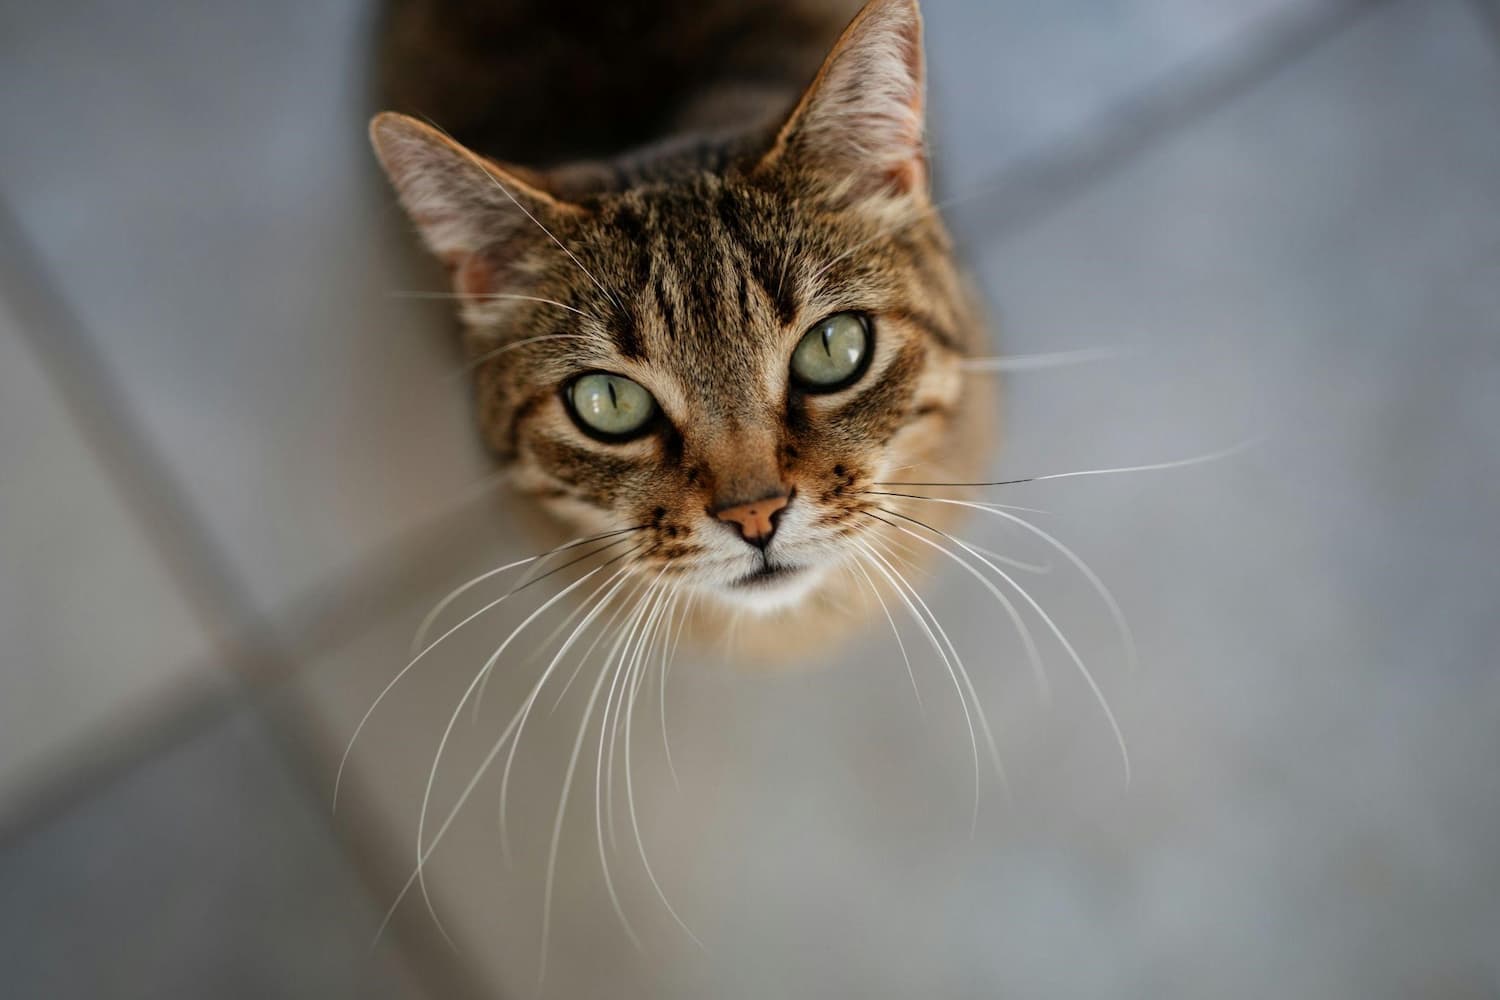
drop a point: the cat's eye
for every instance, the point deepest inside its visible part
(610, 405)
(833, 353)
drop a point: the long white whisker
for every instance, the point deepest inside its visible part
(1037, 362)
(914, 496)
(557, 823)
(921, 709)
(614, 582)
(620, 607)
(458, 592)
(634, 652)
(898, 583)
(1122, 626)
(453, 720)
(453, 812)
(979, 713)
(1062, 639)
(621, 648)
(344, 760)
(668, 628)
(488, 296)
(1033, 655)
(1213, 456)
(516, 345)
(1041, 569)
(635, 826)
(527, 582)
(666, 672)
(525, 211)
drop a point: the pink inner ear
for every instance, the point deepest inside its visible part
(475, 275)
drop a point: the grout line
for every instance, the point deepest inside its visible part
(243, 639)
(1040, 183)
(122, 746)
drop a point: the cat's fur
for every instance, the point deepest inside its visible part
(692, 265)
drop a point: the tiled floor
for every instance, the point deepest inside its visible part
(1285, 216)
(74, 554)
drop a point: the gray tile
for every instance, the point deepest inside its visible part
(198, 180)
(1313, 807)
(206, 872)
(97, 633)
(1010, 78)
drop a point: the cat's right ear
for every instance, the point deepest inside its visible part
(858, 129)
(474, 214)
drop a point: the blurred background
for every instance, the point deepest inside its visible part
(237, 468)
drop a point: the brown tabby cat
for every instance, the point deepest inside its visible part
(706, 309)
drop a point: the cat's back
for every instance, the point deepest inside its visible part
(542, 82)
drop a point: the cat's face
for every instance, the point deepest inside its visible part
(726, 360)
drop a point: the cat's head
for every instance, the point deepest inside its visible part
(728, 356)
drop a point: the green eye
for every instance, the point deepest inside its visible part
(833, 353)
(610, 405)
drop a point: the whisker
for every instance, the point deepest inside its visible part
(484, 684)
(453, 719)
(495, 352)
(915, 496)
(595, 609)
(478, 162)
(915, 689)
(603, 631)
(453, 812)
(1033, 655)
(632, 656)
(1062, 639)
(557, 823)
(364, 720)
(1037, 362)
(1153, 467)
(898, 583)
(1122, 625)
(666, 672)
(640, 843)
(491, 296)
(1040, 569)
(442, 605)
(979, 713)
(621, 647)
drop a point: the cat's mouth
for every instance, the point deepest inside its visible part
(771, 587)
(768, 576)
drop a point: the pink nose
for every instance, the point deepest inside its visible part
(756, 520)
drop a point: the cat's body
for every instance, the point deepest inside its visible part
(544, 84)
(676, 243)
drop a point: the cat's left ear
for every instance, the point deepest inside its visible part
(859, 127)
(474, 214)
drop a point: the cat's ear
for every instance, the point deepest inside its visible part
(474, 214)
(859, 126)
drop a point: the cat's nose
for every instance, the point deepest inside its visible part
(756, 520)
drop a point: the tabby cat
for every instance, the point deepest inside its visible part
(711, 306)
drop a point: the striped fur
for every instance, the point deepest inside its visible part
(693, 266)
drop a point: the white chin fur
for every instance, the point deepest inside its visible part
(767, 598)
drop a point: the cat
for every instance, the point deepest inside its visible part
(710, 303)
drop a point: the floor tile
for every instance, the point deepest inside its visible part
(1011, 78)
(206, 196)
(206, 872)
(97, 634)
